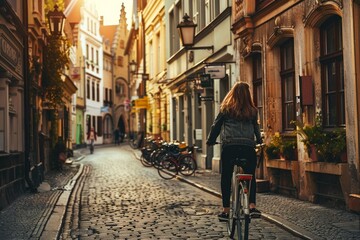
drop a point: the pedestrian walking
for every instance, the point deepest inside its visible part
(238, 123)
(91, 136)
(117, 136)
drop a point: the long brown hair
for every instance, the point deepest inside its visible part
(238, 102)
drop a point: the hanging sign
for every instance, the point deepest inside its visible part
(215, 71)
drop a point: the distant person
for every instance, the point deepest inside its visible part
(238, 123)
(117, 136)
(121, 136)
(91, 136)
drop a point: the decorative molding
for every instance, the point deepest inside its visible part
(316, 11)
(280, 34)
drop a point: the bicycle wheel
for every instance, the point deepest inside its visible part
(187, 165)
(244, 218)
(233, 219)
(160, 157)
(133, 143)
(168, 169)
(145, 160)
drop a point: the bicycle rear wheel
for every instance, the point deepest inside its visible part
(233, 220)
(187, 165)
(167, 169)
(244, 218)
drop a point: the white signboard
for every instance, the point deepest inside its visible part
(198, 134)
(215, 71)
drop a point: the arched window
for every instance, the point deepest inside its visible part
(332, 73)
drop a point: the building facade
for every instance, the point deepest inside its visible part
(14, 141)
(301, 59)
(158, 114)
(193, 106)
(121, 86)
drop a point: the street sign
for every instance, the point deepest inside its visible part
(142, 103)
(206, 98)
(215, 71)
(205, 80)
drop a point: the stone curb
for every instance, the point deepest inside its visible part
(55, 221)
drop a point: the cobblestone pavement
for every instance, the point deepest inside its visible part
(147, 207)
(26, 217)
(121, 199)
(311, 221)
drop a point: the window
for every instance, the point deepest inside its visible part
(93, 90)
(151, 56)
(87, 51)
(175, 17)
(88, 88)
(99, 126)
(97, 92)
(158, 52)
(332, 73)
(287, 84)
(97, 57)
(257, 87)
(92, 54)
(122, 44)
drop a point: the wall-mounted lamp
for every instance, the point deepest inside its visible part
(133, 66)
(187, 33)
(56, 21)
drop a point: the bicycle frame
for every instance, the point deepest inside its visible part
(239, 217)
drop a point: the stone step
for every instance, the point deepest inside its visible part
(354, 202)
(262, 185)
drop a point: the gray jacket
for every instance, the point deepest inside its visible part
(234, 131)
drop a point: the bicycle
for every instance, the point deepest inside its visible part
(136, 141)
(177, 162)
(239, 215)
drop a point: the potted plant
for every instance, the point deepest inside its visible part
(323, 145)
(333, 147)
(273, 148)
(289, 149)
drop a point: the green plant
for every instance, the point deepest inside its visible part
(311, 134)
(329, 144)
(288, 149)
(55, 61)
(273, 148)
(333, 146)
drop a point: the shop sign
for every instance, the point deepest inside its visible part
(215, 71)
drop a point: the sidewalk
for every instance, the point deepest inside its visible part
(31, 215)
(305, 219)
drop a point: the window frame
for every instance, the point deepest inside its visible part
(287, 72)
(258, 85)
(326, 59)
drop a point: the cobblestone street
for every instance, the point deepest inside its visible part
(122, 199)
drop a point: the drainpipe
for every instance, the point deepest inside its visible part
(27, 107)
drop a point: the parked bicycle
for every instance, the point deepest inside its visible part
(239, 216)
(136, 140)
(180, 161)
(151, 145)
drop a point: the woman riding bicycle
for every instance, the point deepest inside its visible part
(238, 119)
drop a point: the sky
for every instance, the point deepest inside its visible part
(110, 9)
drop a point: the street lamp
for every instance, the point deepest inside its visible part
(133, 66)
(187, 33)
(56, 21)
